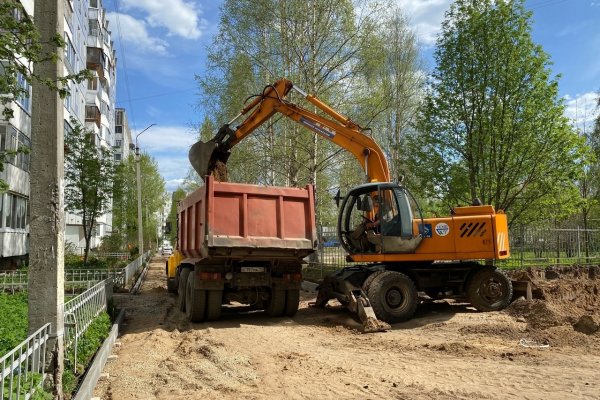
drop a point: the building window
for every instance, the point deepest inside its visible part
(69, 53)
(118, 129)
(18, 144)
(94, 26)
(118, 143)
(119, 119)
(15, 209)
(93, 84)
(117, 157)
(94, 3)
(24, 98)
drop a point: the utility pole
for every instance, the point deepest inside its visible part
(139, 192)
(47, 219)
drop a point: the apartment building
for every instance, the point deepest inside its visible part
(88, 44)
(123, 145)
(14, 203)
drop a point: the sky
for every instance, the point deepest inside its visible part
(161, 46)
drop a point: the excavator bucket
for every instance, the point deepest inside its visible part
(207, 159)
(210, 158)
(356, 301)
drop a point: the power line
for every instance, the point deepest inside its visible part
(122, 45)
(545, 3)
(160, 95)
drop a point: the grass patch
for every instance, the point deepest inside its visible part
(13, 320)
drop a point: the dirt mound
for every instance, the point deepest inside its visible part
(492, 330)
(562, 297)
(537, 313)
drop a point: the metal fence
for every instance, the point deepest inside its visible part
(22, 369)
(529, 246)
(77, 279)
(80, 251)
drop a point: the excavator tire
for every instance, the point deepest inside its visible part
(489, 289)
(367, 283)
(214, 299)
(292, 302)
(195, 301)
(276, 304)
(393, 296)
(183, 278)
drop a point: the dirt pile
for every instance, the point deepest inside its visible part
(566, 305)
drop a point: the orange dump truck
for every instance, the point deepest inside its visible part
(241, 243)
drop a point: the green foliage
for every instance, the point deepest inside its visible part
(33, 380)
(13, 320)
(87, 346)
(176, 197)
(89, 175)
(125, 213)
(332, 49)
(493, 125)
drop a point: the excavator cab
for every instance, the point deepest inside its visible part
(379, 218)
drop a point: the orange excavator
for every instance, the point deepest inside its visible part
(398, 253)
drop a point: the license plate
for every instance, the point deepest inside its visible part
(253, 269)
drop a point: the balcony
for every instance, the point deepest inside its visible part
(92, 114)
(95, 60)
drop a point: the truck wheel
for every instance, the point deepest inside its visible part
(276, 304)
(171, 286)
(489, 289)
(393, 296)
(292, 301)
(183, 278)
(195, 301)
(213, 304)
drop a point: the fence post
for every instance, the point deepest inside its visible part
(522, 245)
(578, 246)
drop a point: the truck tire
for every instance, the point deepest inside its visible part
(183, 278)
(292, 302)
(489, 289)
(171, 286)
(214, 300)
(276, 304)
(195, 301)
(393, 296)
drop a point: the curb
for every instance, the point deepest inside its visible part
(86, 389)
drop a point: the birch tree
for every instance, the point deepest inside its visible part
(493, 124)
(89, 175)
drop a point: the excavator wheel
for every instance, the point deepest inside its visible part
(183, 278)
(489, 289)
(195, 301)
(393, 296)
(367, 283)
(292, 301)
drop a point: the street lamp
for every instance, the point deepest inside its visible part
(139, 192)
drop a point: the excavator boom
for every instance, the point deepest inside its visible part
(210, 158)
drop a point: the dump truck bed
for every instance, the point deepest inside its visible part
(239, 221)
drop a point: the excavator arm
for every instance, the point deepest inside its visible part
(210, 157)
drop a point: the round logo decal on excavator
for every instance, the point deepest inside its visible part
(442, 229)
